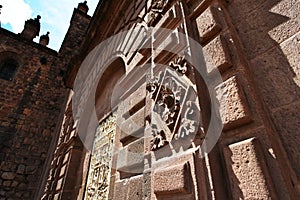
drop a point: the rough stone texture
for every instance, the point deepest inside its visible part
(208, 24)
(271, 45)
(266, 25)
(8, 175)
(216, 55)
(30, 105)
(129, 189)
(287, 122)
(131, 157)
(291, 49)
(247, 173)
(175, 179)
(275, 78)
(255, 40)
(233, 106)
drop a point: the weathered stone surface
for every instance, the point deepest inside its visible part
(131, 157)
(21, 169)
(233, 107)
(291, 49)
(129, 189)
(275, 79)
(121, 187)
(208, 24)
(247, 171)
(135, 188)
(216, 55)
(8, 175)
(287, 123)
(262, 28)
(288, 12)
(30, 169)
(175, 179)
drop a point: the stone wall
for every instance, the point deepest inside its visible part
(30, 108)
(253, 45)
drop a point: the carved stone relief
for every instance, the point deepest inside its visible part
(179, 64)
(157, 9)
(176, 111)
(100, 164)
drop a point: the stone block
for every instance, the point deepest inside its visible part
(135, 187)
(291, 49)
(31, 169)
(233, 107)
(266, 25)
(21, 169)
(172, 180)
(130, 188)
(216, 55)
(135, 98)
(287, 17)
(208, 24)
(131, 158)
(275, 78)
(8, 175)
(22, 186)
(6, 183)
(287, 123)
(59, 184)
(14, 184)
(121, 189)
(247, 171)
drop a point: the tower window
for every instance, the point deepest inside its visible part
(8, 68)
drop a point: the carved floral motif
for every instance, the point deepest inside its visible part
(176, 112)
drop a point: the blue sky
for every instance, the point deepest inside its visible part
(56, 15)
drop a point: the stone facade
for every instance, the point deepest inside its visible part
(161, 107)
